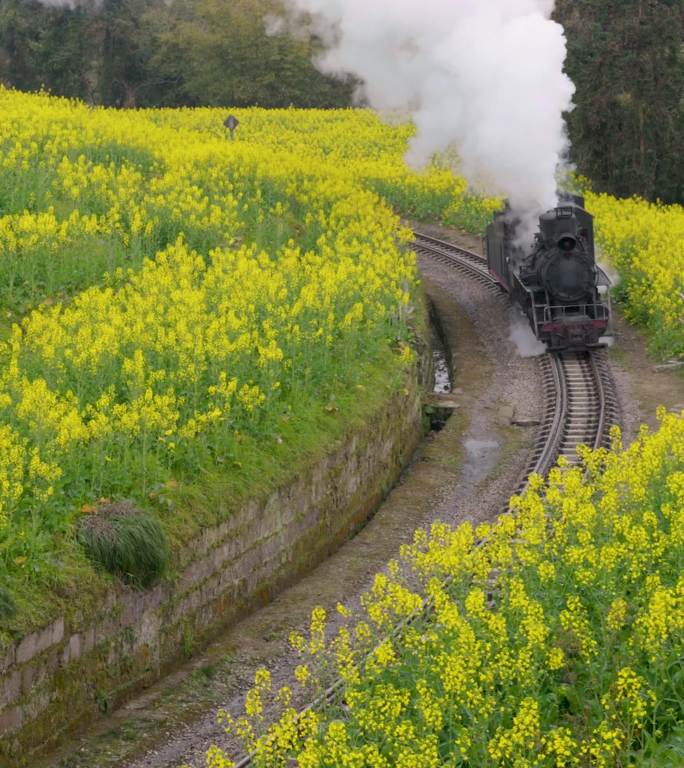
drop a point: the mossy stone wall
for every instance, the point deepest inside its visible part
(54, 681)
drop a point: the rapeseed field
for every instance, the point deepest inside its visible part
(555, 636)
(644, 242)
(176, 307)
(173, 306)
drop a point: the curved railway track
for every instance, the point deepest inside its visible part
(467, 262)
(580, 406)
(579, 398)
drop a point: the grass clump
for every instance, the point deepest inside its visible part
(7, 605)
(127, 542)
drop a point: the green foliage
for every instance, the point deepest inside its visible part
(7, 605)
(626, 58)
(661, 754)
(45, 46)
(127, 542)
(472, 214)
(132, 53)
(220, 53)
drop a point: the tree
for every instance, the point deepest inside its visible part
(126, 40)
(45, 47)
(219, 52)
(626, 58)
(62, 58)
(129, 53)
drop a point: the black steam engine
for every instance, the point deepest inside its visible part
(557, 282)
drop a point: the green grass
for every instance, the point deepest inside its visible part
(666, 754)
(126, 542)
(7, 605)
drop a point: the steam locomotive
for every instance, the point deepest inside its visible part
(556, 282)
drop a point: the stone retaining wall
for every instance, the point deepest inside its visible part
(55, 680)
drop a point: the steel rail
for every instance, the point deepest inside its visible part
(468, 262)
(448, 249)
(554, 415)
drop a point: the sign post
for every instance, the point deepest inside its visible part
(231, 123)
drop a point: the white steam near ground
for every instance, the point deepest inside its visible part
(483, 77)
(614, 277)
(522, 336)
(603, 262)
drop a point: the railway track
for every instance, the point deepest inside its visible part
(580, 406)
(467, 262)
(579, 399)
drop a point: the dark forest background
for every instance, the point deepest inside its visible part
(625, 56)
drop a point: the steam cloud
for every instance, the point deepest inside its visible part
(522, 336)
(482, 76)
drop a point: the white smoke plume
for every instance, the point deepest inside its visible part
(482, 76)
(522, 336)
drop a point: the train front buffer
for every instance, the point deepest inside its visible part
(581, 329)
(566, 326)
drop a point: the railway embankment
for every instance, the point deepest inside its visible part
(58, 678)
